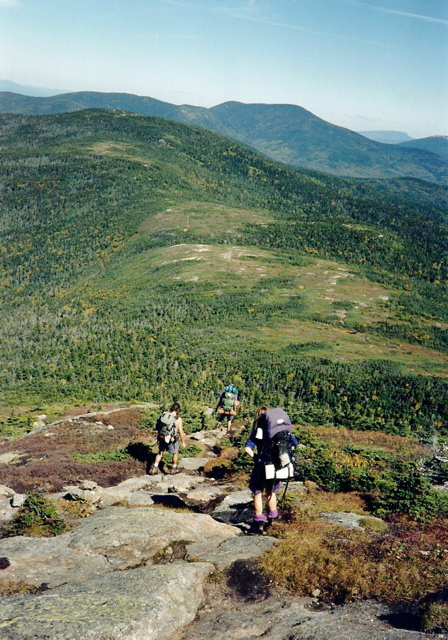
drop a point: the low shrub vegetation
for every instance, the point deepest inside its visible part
(403, 563)
(38, 517)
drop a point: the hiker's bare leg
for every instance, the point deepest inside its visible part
(158, 459)
(175, 458)
(272, 502)
(258, 504)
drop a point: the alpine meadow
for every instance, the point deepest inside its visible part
(144, 260)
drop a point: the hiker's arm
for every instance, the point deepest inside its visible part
(249, 448)
(181, 432)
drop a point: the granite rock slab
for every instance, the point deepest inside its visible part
(148, 603)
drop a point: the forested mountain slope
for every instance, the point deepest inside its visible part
(434, 144)
(144, 259)
(286, 133)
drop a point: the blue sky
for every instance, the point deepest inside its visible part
(365, 65)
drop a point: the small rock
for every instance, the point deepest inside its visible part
(202, 496)
(88, 485)
(18, 500)
(193, 464)
(348, 520)
(6, 491)
(13, 457)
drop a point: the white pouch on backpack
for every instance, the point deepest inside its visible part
(269, 471)
(285, 472)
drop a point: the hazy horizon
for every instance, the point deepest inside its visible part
(367, 66)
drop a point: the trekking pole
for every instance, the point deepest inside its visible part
(280, 504)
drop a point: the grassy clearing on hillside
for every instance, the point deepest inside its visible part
(334, 299)
(405, 448)
(211, 220)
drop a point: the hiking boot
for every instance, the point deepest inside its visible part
(154, 471)
(257, 528)
(175, 470)
(272, 517)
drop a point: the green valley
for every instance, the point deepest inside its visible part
(147, 260)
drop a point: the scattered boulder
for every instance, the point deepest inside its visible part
(40, 422)
(11, 457)
(7, 511)
(123, 491)
(202, 497)
(349, 520)
(18, 500)
(88, 491)
(441, 487)
(193, 464)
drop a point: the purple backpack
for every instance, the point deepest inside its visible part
(276, 425)
(274, 421)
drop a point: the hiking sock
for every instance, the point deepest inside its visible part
(272, 515)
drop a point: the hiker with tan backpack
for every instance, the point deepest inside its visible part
(169, 434)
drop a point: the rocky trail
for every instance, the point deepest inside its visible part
(166, 557)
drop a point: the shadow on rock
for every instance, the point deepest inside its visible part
(247, 582)
(141, 452)
(170, 500)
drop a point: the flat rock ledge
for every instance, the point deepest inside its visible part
(289, 618)
(148, 603)
(116, 538)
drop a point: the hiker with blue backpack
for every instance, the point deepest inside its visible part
(227, 406)
(273, 441)
(169, 433)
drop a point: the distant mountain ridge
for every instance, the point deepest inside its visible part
(8, 85)
(387, 137)
(286, 133)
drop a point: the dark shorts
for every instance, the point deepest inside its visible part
(225, 417)
(171, 447)
(258, 482)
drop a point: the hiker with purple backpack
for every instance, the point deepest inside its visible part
(273, 441)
